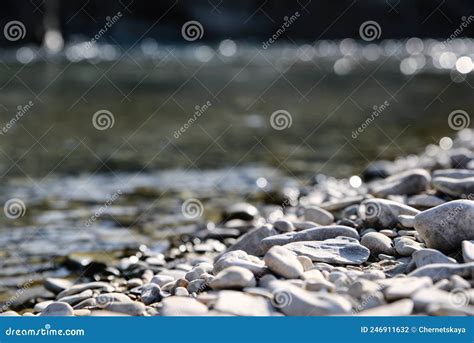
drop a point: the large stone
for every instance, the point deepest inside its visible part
(243, 304)
(384, 213)
(314, 234)
(240, 258)
(406, 183)
(454, 187)
(318, 215)
(441, 271)
(445, 227)
(233, 278)
(182, 306)
(378, 243)
(251, 241)
(337, 251)
(423, 257)
(283, 262)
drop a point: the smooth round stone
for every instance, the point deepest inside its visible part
(400, 288)
(56, 285)
(240, 258)
(197, 285)
(389, 233)
(424, 201)
(283, 262)
(182, 306)
(181, 292)
(441, 271)
(78, 288)
(151, 293)
(233, 278)
(251, 241)
(468, 251)
(454, 173)
(362, 288)
(42, 305)
(454, 187)
(161, 280)
(406, 247)
(378, 243)
(318, 215)
(9, 314)
(337, 251)
(406, 221)
(383, 213)
(132, 308)
(406, 183)
(243, 304)
(305, 262)
(458, 282)
(445, 227)
(402, 307)
(58, 309)
(423, 257)
(243, 211)
(135, 282)
(197, 271)
(76, 298)
(283, 225)
(106, 298)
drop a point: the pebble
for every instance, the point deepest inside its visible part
(161, 280)
(283, 225)
(468, 251)
(240, 258)
(96, 285)
(424, 201)
(283, 262)
(182, 306)
(402, 307)
(318, 215)
(406, 221)
(406, 246)
(151, 293)
(233, 278)
(181, 292)
(243, 211)
(378, 243)
(383, 213)
(444, 270)
(197, 286)
(305, 262)
(242, 304)
(454, 187)
(423, 257)
(445, 227)
(56, 285)
(251, 241)
(404, 287)
(76, 298)
(132, 308)
(58, 309)
(406, 183)
(454, 173)
(335, 251)
(314, 234)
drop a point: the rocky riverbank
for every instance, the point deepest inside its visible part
(401, 242)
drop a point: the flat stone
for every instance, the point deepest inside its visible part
(441, 271)
(468, 251)
(405, 183)
(42, 305)
(362, 288)
(233, 278)
(182, 306)
(162, 280)
(378, 243)
(240, 258)
(445, 227)
(251, 241)
(283, 225)
(423, 257)
(150, 294)
(318, 215)
(406, 246)
(383, 213)
(197, 285)
(197, 271)
(96, 285)
(58, 309)
(335, 251)
(314, 234)
(431, 296)
(295, 301)
(56, 285)
(133, 308)
(283, 262)
(454, 187)
(77, 298)
(404, 287)
(407, 221)
(243, 304)
(454, 173)
(424, 201)
(398, 308)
